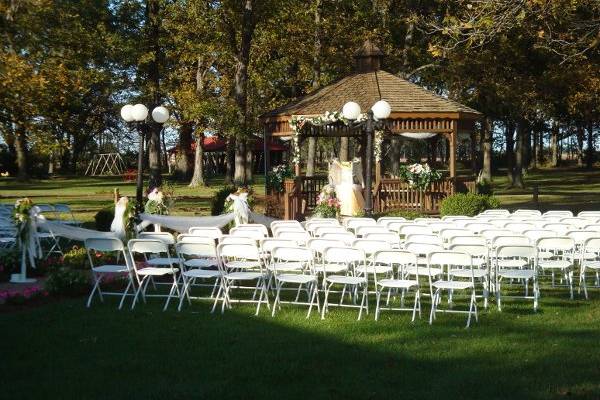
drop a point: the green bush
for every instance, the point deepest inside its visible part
(468, 204)
(484, 187)
(218, 200)
(104, 218)
(408, 214)
(76, 258)
(10, 261)
(64, 281)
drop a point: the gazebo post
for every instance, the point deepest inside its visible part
(369, 131)
(452, 151)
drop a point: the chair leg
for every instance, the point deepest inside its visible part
(414, 313)
(219, 292)
(276, 302)
(143, 282)
(377, 298)
(314, 297)
(433, 306)
(185, 292)
(325, 303)
(129, 284)
(362, 302)
(96, 287)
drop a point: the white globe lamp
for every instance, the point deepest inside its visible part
(127, 113)
(381, 109)
(160, 114)
(351, 110)
(139, 112)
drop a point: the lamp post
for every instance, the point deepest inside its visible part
(376, 117)
(139, 113)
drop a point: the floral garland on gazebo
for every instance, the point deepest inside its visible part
(297, 122)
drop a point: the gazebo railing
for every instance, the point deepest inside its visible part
(300, 195)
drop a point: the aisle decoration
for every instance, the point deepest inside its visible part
(239, 203)
(328, 205)
(419, 176)
(123, 225)
(25, 219)
(158, 202)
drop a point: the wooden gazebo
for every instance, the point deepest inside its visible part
(415, 112)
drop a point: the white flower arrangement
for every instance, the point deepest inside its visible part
(419, 176)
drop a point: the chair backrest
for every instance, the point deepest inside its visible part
(422, 248)
(292, 254)
(268, 244)
(450, 218)
(534, 234)
(577, 222)
(343, 255)
(592, 227)
(512, 240)
(559, 244)
(395, 257)
(477, 227)
(346, 237)
(560, 228)
(467, 240)
(301, 237)
(419, 238)
(500, 222)
(332, 221)
(187, 238)
(427, 220)
(437, 226)
(259, 227)
(391, 238)
(370, 246)
(395, 226)
(286, 223)
(228, 239)
(495, 211)
(526, 252)
(203, 250)
(559, 213)
(147, 246)
(415, 229)
(318, 245)
(446, 234)
(523, 211)
(353, 223)
(238, 251)
(383, 221)
(475, 250)
(491, 234)
(519, 227)
(164, 237)
(363, 230)
(462, 222)
(580, 236)
(321, 230)
(210, 232)
(104, 244)
(450, 258)
(592, 245)
(286, 228)
(247, 233)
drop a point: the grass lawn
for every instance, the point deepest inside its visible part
(65, 351)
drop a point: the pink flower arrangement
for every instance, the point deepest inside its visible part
(21, 296)
(327, 203)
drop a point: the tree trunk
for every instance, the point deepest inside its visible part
(519, 155)
(21, 150)
(580, 136)
(198, 177)
(554, 145)
(239, 176)
(344, 148)
(230, 160)
(182, 157)
(486, 149)
(510, 156)
(590, 146)
(534, 150)
(153, 36)
(316, 82)
(249, 163)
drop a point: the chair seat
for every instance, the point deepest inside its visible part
(330, 268)
(243, 264)
(286, 266)
(296, 278)
(374, 269)
(201, 262)
(591, 264)
(511, 263)
(346, 280)
(156, 271)
(554, 264)
(163, 261)
(516, 273)
(110, 268)
(466, 273)
(397, 283)
(202, 273)
(455, 285)
(423, 271)
(243, 276)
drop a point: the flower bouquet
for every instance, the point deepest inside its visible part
(328, 205)
(277, 176)
(419, 176)
(158, 203)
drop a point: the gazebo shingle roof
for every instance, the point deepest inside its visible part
(366, 88)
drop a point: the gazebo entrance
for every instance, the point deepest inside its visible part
(415, 113)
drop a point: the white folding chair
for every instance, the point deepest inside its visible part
(187, 238)
(286, 223)
(391, 238)
(276, 230)
(229, 239)
(420, 238)
(526, 212)
(447, 234)
(355, 222)
(480, 256)
(467, 240)
(592, 227)
(300, 237)
(319, 231)
(561, 259)
(436, 227)
(258, 227)
(164, 237)
(422, 251)
(241, 263)
(294, 265)
(457, 266)
(558, 213)
(591, 261)
(491, 234)
(248, 232)
(519, 227)
(197, 261)
(516, 262)
(383, 221)
(150, 248)
(396, 261)
(415, 229)
(495, 212)
(560, 228)
(361, 231)
(109, 245)
(346, 237)
(478, 227)
(590, 214)
(349, 260)
(427, 220)
(577, 222)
